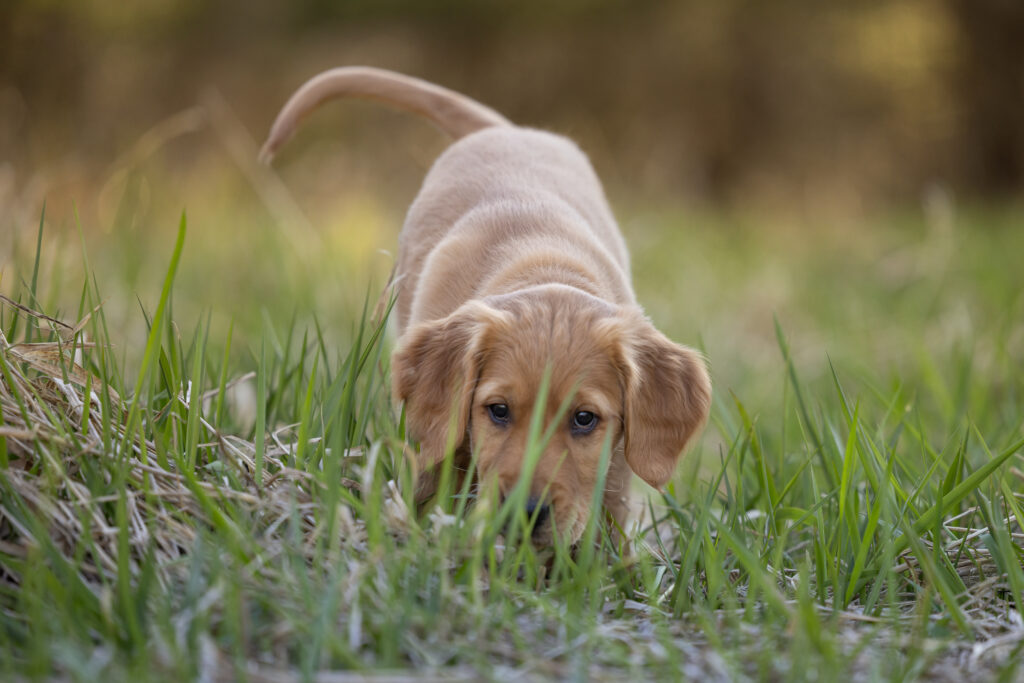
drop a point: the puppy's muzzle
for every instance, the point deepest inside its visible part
(538, 514)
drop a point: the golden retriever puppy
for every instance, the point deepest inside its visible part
(511, 265)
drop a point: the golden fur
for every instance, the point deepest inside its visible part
(510, 262)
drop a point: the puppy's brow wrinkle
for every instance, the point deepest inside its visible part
(510, 262)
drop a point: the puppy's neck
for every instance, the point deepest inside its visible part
(545, 263)
(530, 273)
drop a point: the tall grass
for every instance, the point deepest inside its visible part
(148, 529)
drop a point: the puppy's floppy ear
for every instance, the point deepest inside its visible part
(434, 371)
(668, 398)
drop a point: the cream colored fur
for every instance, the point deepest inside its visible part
(510, 262)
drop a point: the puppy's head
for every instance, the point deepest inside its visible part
(471, 381)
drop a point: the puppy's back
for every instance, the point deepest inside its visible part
(492, 193)
(512, 164)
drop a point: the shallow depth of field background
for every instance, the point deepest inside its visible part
(829, 164)
(850, 171)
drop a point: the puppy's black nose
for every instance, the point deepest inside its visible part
(535, 508)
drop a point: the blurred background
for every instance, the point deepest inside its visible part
(845, 104)
(762, 157)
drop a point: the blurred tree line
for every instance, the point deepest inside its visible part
(850, 101)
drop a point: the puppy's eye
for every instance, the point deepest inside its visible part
(583, 422)
(499, 413)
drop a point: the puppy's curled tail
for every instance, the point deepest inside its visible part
(455, 114)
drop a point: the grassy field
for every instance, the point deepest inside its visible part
(202, 474)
